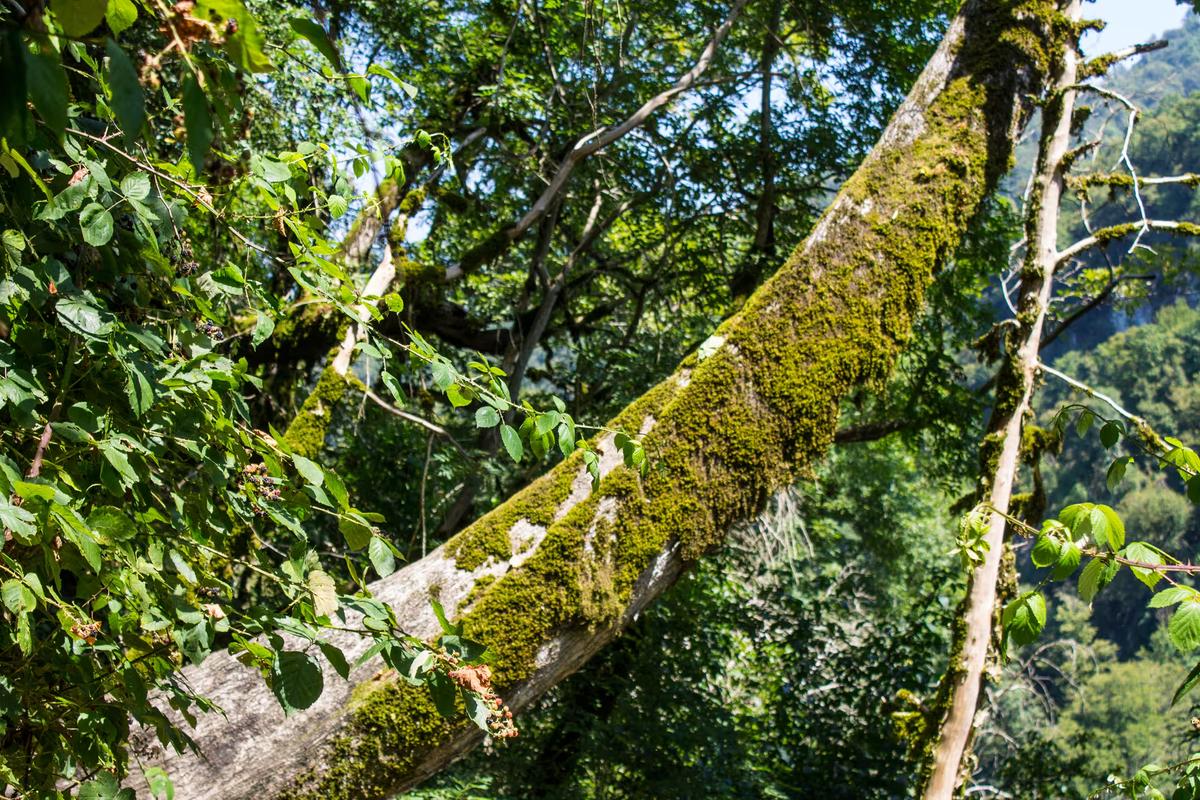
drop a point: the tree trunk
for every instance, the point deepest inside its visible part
(1001, 450)
(552, 575)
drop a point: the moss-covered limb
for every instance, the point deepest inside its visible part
(975, 635)
(551, 575)
(307, 431)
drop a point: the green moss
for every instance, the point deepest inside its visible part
(389, 727)
(306, 434)
(537, 503)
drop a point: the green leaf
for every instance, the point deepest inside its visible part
(1089, 580)
(1068, 561)
(337, 207)
(1116, 472)
(336, 658)
(297, 681)
(1084, 423)
(477, 711)
(1115, 528)
(96, 224)
(1024, 618)
(182, 566)
(127, 99)
(1193, 489)
(136, 186)
(1188, 684)
(1110, 434)
(197, 122)
(308, 469)
(112, 523)
(324, 593)
(47, 83)
(1184, 627)
(138, 388)
(17, 596)
(316, 35)
(486, 417)
(381, 557)
(512, 442)
(357, 534)
(1045, 551)
(459, 396)
(1140, 551)
(103, 787)
(270, 170)
(120, 15)
(78, 17)
(443, 621)
(1172, 595)
(82, 317)
(546, 423)
(441, 690)
(264, 326)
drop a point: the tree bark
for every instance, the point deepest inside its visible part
(553, 574)
(1001, 450)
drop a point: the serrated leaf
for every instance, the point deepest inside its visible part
(102, 787)
(136, 186)
(486, 417)
(477, 711)
(182, 566)
(1068, 561)
(445, 624)
(337, 205)
(336, 659)
(1024, 618)
(1045, 551)
(18, 598)
(1089, 580)
(297, 681)
(96, 224)
(128, 102)
(381, 557)
(512, 442)
(323, 591)
(1171, 595)
(1114, 527)
(1140, 551)
(1184, 627)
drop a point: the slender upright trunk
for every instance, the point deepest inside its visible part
(553, 574)
(1001, 450)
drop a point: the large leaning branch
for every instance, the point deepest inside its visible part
(553, 574)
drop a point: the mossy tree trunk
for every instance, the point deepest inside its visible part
(976, 635)
(552, 575)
